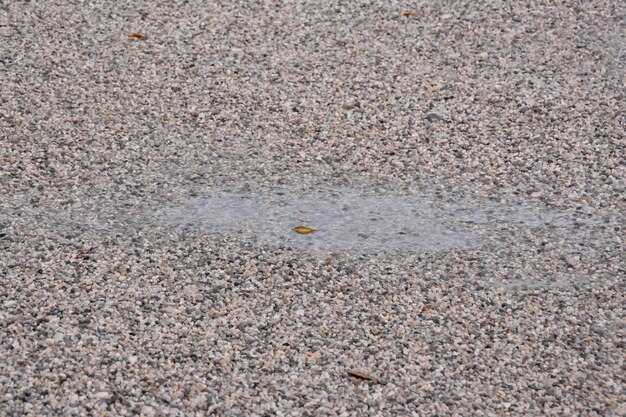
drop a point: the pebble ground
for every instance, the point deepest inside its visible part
(105, 311)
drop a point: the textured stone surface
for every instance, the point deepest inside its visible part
(108, 309)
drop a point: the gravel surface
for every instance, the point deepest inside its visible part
(108, 307)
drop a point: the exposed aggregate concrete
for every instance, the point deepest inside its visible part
(105, 309)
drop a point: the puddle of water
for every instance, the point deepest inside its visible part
(345, 220)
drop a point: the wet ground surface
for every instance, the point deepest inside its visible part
(349, 221)
(353, 221)
(524, 240)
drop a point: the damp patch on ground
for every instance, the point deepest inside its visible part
(345, 220)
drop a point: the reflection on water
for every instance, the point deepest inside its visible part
(347, 221)
(344, 219)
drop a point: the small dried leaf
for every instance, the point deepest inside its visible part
(430, 88)
(407, 14)
(303, 230)
(137, 36)
(361, 375)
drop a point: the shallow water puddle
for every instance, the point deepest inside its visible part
(345, 220)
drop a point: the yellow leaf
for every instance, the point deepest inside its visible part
(303, 230)
(137, 36)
